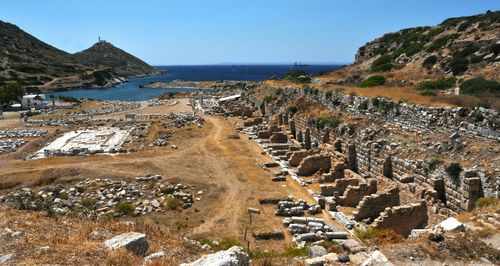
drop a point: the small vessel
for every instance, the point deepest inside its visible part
(298, 64)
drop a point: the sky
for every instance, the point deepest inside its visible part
(191, 32)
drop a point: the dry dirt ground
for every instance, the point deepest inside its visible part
(227, 171)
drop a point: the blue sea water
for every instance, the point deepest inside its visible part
(130, 91)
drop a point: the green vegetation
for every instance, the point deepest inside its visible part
(298, 76)
(293, 251)
(441, 42)
(125, 208)
(226, 243)
(269, 98)
(327, 121)
(89, 203)
(479, 85)
(10, 94)
(435, 85)
(173, 203)
(453, 170)
(259, 254)
(363, 105)
(292, 109)
(68, 99)
(487, 202)
(382, 64)
(373, 81)
(429, 61)
(370, 233)
(459, 65)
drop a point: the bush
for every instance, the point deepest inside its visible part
(383, 63)
(173, 203)
(298, 76)
(328, 94)
(440, 43)
(293, 251)
(453, 170)
(331, 122)
(363, 105)
(487, 202)
(367, 234)
(68, 99)
(429, 61)
(479, 85)
(428, 93)
(373, 81)
(125, 208)
(440, 84)
(10, 93)
(89, 203)
(459, 65)
(269, 98)
(226, 243)
(293, 109)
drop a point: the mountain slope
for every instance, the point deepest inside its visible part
(122, 63)
(461, 47)
(33, 63)
(26, 59)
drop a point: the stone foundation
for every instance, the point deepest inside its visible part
(372, 206)
(403, 219)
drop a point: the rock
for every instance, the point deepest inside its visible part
(452, 224)
(155, 203)
(317, 251)
(353, 246)
(234, 256)
(154, 256)
(436, 234)
(7, 257)
(16, 234)
(136, 243)
(376, 258)
(319, 261)
(343, 258)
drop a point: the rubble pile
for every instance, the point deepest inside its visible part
(183, 119)
(290, 208)
(309, 229)
(10, 145)
(22, 133)
(110, 107)
(94, 198)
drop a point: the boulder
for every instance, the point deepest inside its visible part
(376, 259)
(136, 243)
(234, 256)
(317, 251)
(452, 224)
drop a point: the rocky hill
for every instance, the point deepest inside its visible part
(33, 63)
(462, 47)
(122, 63)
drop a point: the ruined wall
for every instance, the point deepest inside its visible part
(403, 219)
(365, 159)
(372, 206)
(354, 194)
(297, 156)
(338, 187)
(313, 163)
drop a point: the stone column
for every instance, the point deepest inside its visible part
(280, 119)
(337, 145)
(352, 157)
(299, 136)
(292, 128)
(285, 119)
(387, 169)
(326, 135)
(307, 139)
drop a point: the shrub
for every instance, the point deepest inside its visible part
(441, 42)
(293, 109)
(328, 94)
(293, 251)
(440, 84)
(259, 254)
(363, 105)
(331, 122)
(89, 203)
(428, 93)
(479, 85)
(383, 63)
(226, 243)
(373, 81)
(269, 98)
(370, 233)
(173, 203)
(463, 112)
(429, 61)
(68, 99)
(459, 65)
(495, 48)
(453, 170)
(125, 208)
(298, 76)
(487, 202)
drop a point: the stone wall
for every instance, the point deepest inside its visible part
(354, 194)
(314, 163)
(372, 206)
(297, 156)
(403, 219)
(338, 187)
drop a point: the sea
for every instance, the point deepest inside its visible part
(131, 90)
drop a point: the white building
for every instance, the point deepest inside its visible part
(33, 100)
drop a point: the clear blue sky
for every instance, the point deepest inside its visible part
(215, 31)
